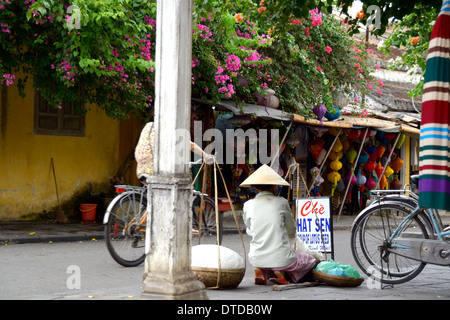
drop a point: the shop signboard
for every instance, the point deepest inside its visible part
(315, 224)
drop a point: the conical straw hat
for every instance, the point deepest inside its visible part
(266, 176)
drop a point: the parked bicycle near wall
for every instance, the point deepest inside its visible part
(393, 238)
(126, 223)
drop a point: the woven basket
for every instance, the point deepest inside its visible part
(337, 281)
(229, 278)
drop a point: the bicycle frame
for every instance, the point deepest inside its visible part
(424, 250)
(435, 250)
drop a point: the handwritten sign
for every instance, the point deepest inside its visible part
(314, 223)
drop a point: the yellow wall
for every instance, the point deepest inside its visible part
(26, 177)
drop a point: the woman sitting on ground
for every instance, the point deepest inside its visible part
(270, 223)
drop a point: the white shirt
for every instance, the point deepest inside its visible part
(270, 223)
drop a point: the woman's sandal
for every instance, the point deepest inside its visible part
(281, 281)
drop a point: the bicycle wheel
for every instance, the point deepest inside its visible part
(370, 248)
(125, 238)
(209, 225)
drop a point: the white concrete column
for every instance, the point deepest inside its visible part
(168, 272)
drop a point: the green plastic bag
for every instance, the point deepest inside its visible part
(337, 269)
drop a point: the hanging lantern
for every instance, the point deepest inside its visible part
(400, 141)
(363, 157)
(397, 164)
(360, 179)
(370, 184)
(379, 169)
(336, 165)
(380, 151)
(370, 149)
(333, 177)
(388, 172)
(292, 141)
(383, 182)
(352, 134)
(351, 155)
(396, 184)
(363, 135)
(350, 178)
(315, 174)
(389, 136)
(369, 166)
(333, 131)
(335, 155)
(337, 146)
(320, 111)
(315, 147)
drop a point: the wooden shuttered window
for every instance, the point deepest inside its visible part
(49, 120)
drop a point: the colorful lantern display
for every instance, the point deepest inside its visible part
(336, 165)
(350, 178)
(380, 151)
(360, 179)
(337, 146)
(397, 164)
(396, 184)
(388, 172)
(383, 182)
(370, 184)
(351, 155)
(369, 166)
(335, 155)
(400, 141)
(363, 157)
(320, 111)
(315, 174)
(352, 134)
(333, 177)
(315, 147)
(379, 169)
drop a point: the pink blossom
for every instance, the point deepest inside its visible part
(328, 49)
(316, 17)
(378, 67)
(379, 91)
(9, 79)
(233, 62)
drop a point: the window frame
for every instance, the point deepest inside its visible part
(61, 117)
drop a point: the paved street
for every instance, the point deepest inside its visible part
(46, 270)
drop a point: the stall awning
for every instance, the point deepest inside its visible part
(250, 110)
(350, 122)
(344, 122)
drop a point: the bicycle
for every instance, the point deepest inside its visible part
(393, 238)
(126, 222)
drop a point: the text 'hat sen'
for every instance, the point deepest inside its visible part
(266, 176)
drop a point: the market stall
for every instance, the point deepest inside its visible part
(342, 158)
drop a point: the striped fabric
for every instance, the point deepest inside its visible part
(434, 165)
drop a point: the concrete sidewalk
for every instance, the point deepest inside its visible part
(48, 231)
